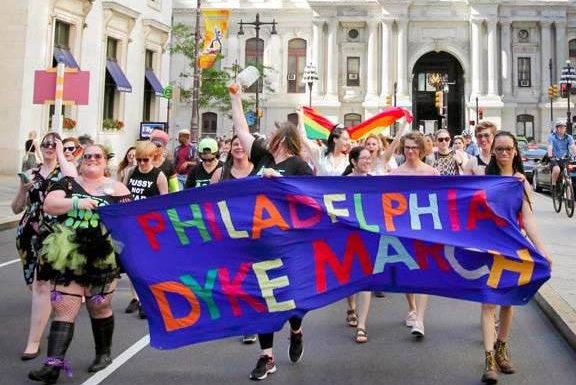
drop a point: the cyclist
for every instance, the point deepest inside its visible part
(559, 145)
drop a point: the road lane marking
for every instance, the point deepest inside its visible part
(9, 262)
(118, 361)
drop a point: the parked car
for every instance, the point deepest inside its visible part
(531, 155)
(522, 142)
(542, 176)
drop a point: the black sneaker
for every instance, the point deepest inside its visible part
(132, 306)
(265, 365)
(141, 313)
(249, 339)
(296, 348)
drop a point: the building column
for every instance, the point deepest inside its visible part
(506, 58)
(275, 49)
(372, 78)
(386, 56)
(402, 57)
(492, 58)
(561, 48)
(317, 50)
(476, 69)
(332, 60)
(546, 49)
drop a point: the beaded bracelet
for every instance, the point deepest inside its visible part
(75, 201)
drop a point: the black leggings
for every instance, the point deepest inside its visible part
(267, 340)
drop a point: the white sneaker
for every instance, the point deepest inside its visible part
(418, 330)
(411, 319)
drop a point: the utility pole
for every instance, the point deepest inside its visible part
(194, 131)
(477, 113)
(551, 99)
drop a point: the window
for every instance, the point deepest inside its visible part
(296, 64)
(293, 118)
(109, 83)
(524, 72)
(148, 90)
(254, 52)
(62, 35)
(525, 126)
(209, 124)
(351, 120)
(112, 49)
(353, 71)
(572, 51)
(423, 84)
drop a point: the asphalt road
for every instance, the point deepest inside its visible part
(451, 352)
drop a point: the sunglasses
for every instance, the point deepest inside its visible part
(48, 145)
(500, 150)
(92, 156)
(158, 144)
(71, 149)
(485, 135)
(445, 139)
(142, 160)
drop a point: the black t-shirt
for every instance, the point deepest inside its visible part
(29, 146)
(262, 158)
(144, 185)
(198, 176)
(168, 168)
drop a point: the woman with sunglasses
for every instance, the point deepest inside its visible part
(484, 135)
(80, 261)
(413, 147)
(505, 160)
(446, 160)
(30, 198)
(72, 150)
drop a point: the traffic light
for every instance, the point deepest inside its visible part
(388, 100)
(553, 91)
(480, 114)
(563, 90)
(438, 102)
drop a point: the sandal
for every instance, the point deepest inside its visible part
(361, 336)
(351, 318)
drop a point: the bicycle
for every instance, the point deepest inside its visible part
(564, 190)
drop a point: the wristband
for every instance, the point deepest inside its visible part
(75, 201)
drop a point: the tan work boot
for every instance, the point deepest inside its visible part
(502, 357)
(490, 375)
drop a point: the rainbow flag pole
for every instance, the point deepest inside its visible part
(317, 126)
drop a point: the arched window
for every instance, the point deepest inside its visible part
(572, 51)
(351, 120)
(254, 56)
(209, 124)
(293, 118)
(296, 64)
(525, 126)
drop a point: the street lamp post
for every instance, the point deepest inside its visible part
(195, 77)
(567, 81)
(256, 24)
(310, 76)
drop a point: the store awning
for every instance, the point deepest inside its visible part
(154, 82)
(62, 55)
(122, 83)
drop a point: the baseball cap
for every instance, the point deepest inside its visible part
(159, 137)
(560, 122)
(208, 144)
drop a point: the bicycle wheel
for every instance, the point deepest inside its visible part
(569, 199)
(557, 195)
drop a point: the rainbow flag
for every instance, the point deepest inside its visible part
(317, 126)
(378, 122)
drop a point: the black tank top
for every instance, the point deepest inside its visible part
(480, 161)
(227, 172)
(142, 185)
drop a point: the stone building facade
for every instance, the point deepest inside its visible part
(496, 55)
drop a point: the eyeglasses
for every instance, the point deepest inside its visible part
(500, 150)
(48, 145)
(445, 139)
(142, 160)
(92, 156)
(71, 149)
(411, 148)
(486, 135)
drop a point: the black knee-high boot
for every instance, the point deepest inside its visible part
(61, 334)
(102, 329)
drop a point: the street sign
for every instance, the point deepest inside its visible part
(76, 87)
(167, 93)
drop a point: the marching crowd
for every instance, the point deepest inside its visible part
(68, 256)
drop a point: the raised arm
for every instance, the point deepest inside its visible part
(67, 168)
(389, 152)
(311, 146)
(239, 119)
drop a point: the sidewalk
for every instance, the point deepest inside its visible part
(557, 298)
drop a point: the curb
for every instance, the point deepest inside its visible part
(560, 313)
(9, 222)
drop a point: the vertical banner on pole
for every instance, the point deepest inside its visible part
(215, 32)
